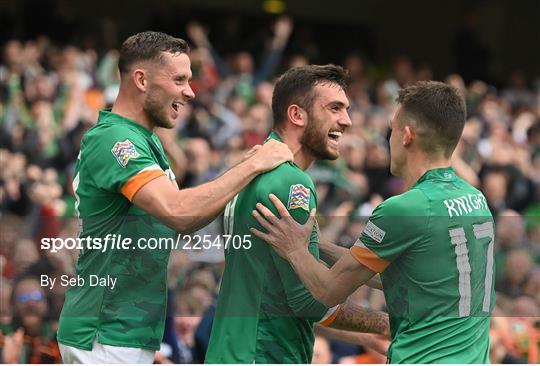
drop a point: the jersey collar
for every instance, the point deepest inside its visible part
(108, 115)
(273, 136)
(440, 174)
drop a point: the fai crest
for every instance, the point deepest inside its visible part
(298, 197)
(123, 151)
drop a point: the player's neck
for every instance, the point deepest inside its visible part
(302, 158)
(130, 108)
(419, 164)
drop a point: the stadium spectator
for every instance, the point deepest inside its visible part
(31, 319)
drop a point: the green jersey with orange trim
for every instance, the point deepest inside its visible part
(264, 313)
(117, 158)
(434, 247)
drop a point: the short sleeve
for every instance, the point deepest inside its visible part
(121, 160)
(299, 197)
(394, 227)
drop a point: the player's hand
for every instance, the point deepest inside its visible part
(251, 152)
(285, 235)
(270, 155)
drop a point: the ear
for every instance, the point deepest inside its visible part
(139, 79)
(409, 135)
(297, 115)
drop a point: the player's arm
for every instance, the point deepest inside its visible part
(300, 300)
(187, 210)
(289, 239)
(375, 282)
(353, 317)
(332, 287)
(346, 316)
(330, 254)
(375, 342)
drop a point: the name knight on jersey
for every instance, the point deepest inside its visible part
(465, 204)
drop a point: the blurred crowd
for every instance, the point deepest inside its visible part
(50, 95)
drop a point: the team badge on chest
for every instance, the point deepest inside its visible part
(298, 197)
(123, 151)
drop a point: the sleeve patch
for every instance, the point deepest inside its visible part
(299, 197)
(374, 232)
(123, 151)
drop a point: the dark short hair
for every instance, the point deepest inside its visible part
(439, 112)
(146, 46)
(296, 87)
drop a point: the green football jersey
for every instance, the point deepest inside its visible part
(264, 313)
(434, 247)
(118, 156)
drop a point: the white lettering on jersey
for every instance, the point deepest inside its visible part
(465, 204)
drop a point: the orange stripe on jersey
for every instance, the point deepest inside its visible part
(326, 322)
(369, 259)
(136, 182)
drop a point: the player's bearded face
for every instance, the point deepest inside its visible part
(315, 138)
(168, 89)
(157, 107)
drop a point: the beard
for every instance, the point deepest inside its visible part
(314, 140)
(157, 112)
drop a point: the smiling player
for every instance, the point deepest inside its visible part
(123, 185)
(264, 313)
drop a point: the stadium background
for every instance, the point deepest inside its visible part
(58, 69)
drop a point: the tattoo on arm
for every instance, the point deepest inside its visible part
(356, 318)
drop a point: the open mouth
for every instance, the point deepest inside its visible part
(335, 136)
(176, 106)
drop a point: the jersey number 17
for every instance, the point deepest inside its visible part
(459, 240)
